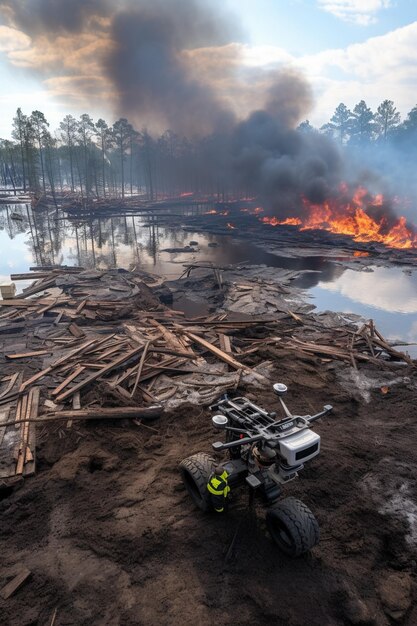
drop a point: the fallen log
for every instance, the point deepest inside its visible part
(99, 413)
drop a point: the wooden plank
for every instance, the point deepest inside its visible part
(185, 355)
(46, 308)
(53, 366)
(76, 330)
(69, 378)
(23, 407)
(225, 344)
(141, 363)
(295, 317)
(111, 351)
(170, 338)
(100, 343)
(12, 586)
(27, 355)
(148, 397)
(80, 306)
(36, 288)
(10, 386)
(30, 276)
(24, 432)
(54, 614)
(224, 357)
(58, 318)
(99, 413)
(21, 304)
(391, 351)
(29, 466)
(119, 361)
(76, 401)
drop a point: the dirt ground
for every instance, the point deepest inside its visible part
(112, 538)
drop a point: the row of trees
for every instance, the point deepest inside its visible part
(95, 159)
(361, 125)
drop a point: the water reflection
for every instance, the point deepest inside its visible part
(47, 238)
(388, 295)
(384, 288)
(28, 238)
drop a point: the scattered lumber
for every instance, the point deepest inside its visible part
(105, 370)
(224, 357)
(104, 347)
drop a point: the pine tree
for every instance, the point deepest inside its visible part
(341, 122)
(387, 119)
(362, 126)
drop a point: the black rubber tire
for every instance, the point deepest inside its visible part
(293, 527)
(195, 473)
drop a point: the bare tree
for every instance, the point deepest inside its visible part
(18, 133)
(39, 126)
(68, 129)
(122, 131)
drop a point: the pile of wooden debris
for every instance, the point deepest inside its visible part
(100, 345)
(94, 345)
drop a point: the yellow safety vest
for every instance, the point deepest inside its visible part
(218, 486)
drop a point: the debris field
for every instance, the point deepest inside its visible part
(104, 389)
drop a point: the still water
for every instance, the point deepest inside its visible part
(388, 295)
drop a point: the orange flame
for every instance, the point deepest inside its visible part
(256, 211)
(351, 218)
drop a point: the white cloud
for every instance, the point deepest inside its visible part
(12, 39)
(362, 12)
(383, 67)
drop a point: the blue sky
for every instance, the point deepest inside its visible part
(347, 49)
(305, 27)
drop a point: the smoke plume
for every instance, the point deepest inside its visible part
(146, 58)
(151, 74)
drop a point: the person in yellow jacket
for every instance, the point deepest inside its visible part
(219, 489)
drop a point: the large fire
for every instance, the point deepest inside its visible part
(354, 218)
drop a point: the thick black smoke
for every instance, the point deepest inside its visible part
(147, 61)
(150, 72)
(275, 162)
